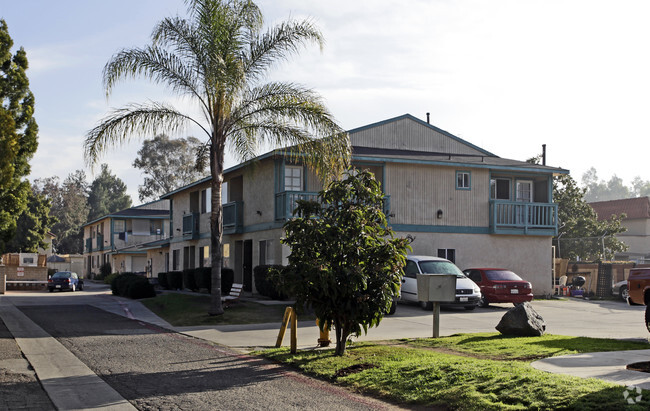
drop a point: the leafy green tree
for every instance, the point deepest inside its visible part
(219, 58)
(18, 135)
(107, 194)
(32, 225)
(640, 187)
(581, 234)
(600, 190)
(167, 164)
(69, 207)
(345, 262)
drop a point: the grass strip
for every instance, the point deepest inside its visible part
(184, 310)
(501, 347)
(413, 375)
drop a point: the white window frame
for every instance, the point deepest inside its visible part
(293, 175)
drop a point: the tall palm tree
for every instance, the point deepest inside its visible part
(218, 58)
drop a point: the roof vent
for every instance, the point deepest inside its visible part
(428, 118)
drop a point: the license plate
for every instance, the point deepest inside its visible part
(514, 291)
(463, 299)
(58, 286)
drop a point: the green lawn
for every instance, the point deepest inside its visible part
(189, 310)
(468, 371)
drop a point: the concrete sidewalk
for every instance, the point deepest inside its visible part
(67, 381)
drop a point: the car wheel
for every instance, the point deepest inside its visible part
(483, 303)
(470, 307)
(426, 305)
(81, 287)
(647, 317)
(623, 292)
(50, 289)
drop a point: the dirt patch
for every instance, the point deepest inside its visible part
(343, 372)
(639, 366)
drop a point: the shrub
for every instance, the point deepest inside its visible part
(120, 284)
(175, 280)
(188, 279)
(264, 286)
(140, 288)
(104, 271)
(109, 278)
(162, 280)
(203, 278)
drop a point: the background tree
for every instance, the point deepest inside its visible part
(582, 235)
(220, 58)
(32, 225)
(18, 135)
(70, 208)
(107, 194)
(345, 262)
(167, 164)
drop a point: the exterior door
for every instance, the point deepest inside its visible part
(524, 195)
(247, 266)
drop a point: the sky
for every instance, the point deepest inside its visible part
(505, 75)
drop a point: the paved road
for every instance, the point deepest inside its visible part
(155, 368)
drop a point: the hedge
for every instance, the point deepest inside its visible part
(162, 281)
(264, 286)
(175, 280)
(189, 281)
(132, 286)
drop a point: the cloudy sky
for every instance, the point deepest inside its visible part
(507, 76)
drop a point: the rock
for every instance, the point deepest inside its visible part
(522, 321)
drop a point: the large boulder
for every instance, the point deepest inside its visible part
(522, 321)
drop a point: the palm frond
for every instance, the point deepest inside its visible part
(279, 43)
(142, 120)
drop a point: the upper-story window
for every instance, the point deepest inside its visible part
(119, 226)
(293, 178)
(500, 189)
(463, 180)
(206, 200)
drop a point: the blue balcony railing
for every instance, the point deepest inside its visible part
(191, 225)
(233, 217)
(514, 217)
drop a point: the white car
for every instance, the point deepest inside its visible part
(468, 294)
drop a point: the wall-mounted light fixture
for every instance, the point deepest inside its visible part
(391, 215)
(259, 212)
(439, 214)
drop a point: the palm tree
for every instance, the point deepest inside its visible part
(218, 58)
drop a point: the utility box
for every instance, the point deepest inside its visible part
(436, 287)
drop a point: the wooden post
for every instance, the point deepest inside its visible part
(283, 327)
(436, 319)
(294, 331)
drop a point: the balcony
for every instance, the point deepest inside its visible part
(285, 203)
(233, 217)
(510, 217)
(100, 242)
(191, 225)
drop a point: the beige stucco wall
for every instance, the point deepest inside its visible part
(532, 259)
(417, 192)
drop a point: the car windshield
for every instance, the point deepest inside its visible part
(61, 275)
(440, 267)
(502, 275)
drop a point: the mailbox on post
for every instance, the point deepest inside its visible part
(436, 288)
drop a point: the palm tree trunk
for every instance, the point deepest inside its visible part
(216, 231)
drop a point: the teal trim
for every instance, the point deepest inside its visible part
(469, 180)
(424, 123)
(418, 228)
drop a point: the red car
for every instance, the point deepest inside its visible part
(500, 286)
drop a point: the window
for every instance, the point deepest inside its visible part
(175, 257)
(206, 200)
(224, 193)
(500, 189)
(411, 270)
(204, 256)
(448, 253)
(119, 226)
(293, 178)
(525, 191)
(266, 252)
(225, 254)
(463, 180)
(155, 227)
